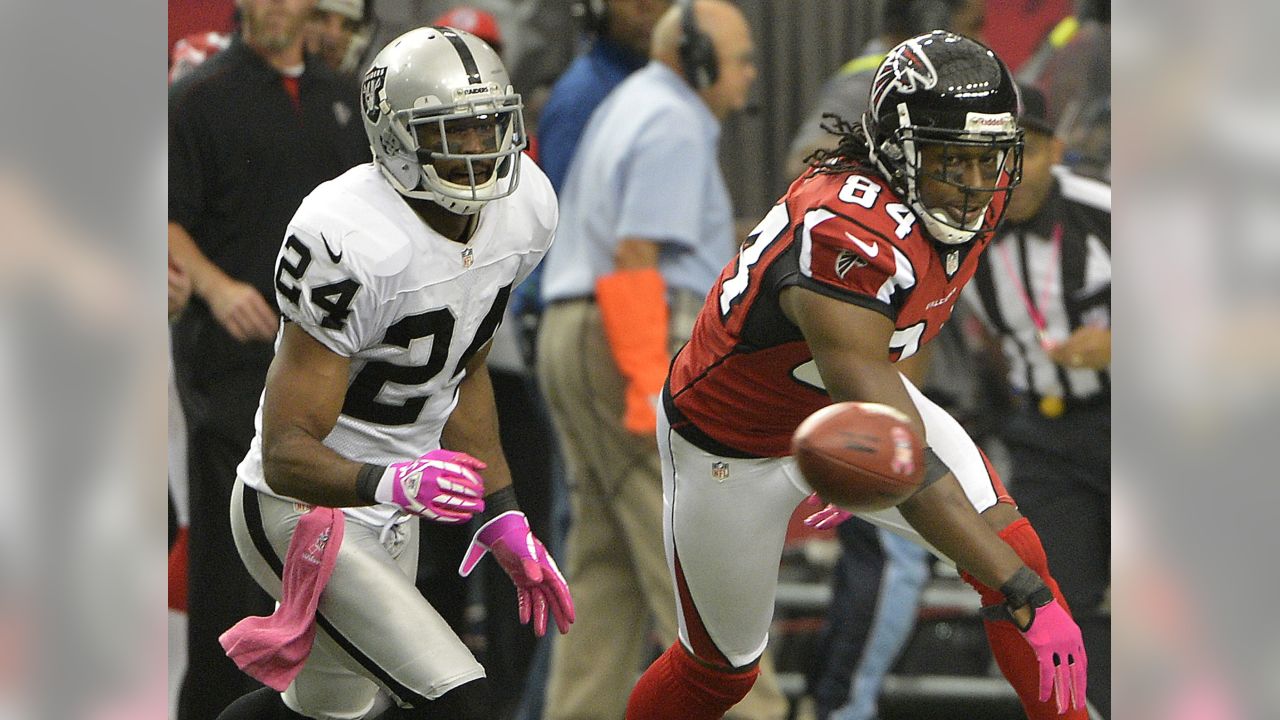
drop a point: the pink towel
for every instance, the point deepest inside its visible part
(273, 649)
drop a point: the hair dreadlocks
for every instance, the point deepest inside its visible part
(852, 152)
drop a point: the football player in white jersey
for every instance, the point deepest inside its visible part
(391, 280)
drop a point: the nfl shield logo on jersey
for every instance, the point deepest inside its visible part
(468, 257)
(953, 262)
(720, 471)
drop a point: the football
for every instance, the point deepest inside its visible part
(860, 456)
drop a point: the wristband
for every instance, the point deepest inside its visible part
(498, 502)
(367, 482)
(1025, 588)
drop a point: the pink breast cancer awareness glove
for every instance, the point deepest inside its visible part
(828, 517)
(539, 585)
(1055, 639)
(441, 486)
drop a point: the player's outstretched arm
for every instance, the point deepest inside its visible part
(306, 386)
(850, 346)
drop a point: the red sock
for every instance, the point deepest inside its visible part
(1013, 655)
(679, 687)
(178, 571)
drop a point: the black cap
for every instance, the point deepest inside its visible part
(1033, 114)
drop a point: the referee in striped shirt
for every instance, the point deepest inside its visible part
(1043, 291)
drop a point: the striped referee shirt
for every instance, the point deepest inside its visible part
(1058, 262)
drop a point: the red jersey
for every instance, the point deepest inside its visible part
(746, 378)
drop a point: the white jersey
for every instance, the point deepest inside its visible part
(363, 274)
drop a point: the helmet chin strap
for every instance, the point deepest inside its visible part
(460, 207)
(943, 230)
(450, 195)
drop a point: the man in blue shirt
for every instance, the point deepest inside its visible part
(620, 47)
(646, 225)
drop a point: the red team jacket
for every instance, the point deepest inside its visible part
(746, 378)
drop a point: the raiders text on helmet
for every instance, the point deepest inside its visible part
(949, 92)
(426, 98)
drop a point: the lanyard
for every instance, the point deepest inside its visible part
(1024, 292)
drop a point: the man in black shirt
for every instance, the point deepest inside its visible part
(251, 132)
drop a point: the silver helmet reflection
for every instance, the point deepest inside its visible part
(443, 120)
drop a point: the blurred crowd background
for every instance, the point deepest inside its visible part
(1196, 160)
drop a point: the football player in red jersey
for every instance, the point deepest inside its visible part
(855, 268)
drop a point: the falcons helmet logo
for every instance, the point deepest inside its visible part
(907, 68)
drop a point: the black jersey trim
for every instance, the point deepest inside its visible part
(464, 54)
(765, 324)
(809, 283)
(685, 428)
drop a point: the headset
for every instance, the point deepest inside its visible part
(697, 53)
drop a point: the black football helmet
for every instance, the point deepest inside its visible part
(944, 90)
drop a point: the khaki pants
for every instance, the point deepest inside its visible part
(615, 563)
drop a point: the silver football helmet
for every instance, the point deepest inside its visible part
(442, 118)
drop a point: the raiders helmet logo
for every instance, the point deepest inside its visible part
(907, 70)
(848, 260)
(371, 93)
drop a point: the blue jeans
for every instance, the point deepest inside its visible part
(878, 581)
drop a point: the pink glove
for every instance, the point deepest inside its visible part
(828, 517)
(539, 584)
(1059, 649)
(441, 486)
